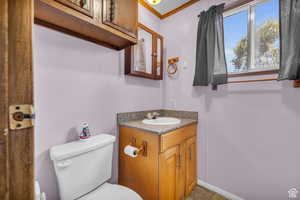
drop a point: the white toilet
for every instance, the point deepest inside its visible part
(83, 167)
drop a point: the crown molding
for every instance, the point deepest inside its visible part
(151, 9)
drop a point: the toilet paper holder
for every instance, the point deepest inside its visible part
(142, 149)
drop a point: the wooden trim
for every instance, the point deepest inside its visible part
(172, 12)
(254, 80)
(168, 14)
(297, 84)
(151, 9)
(4, 151)
(253, 73)
(16, 86)
(149, 30)
(189, 3)
(144, 75)
(161, 75)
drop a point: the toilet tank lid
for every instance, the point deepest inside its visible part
(68, 150)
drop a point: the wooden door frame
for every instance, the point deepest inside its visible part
(16, 87)
(3, 101)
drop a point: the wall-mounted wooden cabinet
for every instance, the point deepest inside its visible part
(111, 23)
(145, 59)
(167, 171)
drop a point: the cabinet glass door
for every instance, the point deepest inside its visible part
(83, 6)
(116, 15)
(145, 59)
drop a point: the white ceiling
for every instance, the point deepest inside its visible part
(167, 5)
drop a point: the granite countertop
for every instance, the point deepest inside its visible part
(134, 120)
(158, 129)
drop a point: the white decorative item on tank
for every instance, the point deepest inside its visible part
(84, 131)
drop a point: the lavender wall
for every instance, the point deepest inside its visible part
(248, 133)
(76, 81)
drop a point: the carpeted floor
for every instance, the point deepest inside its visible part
(200, 193)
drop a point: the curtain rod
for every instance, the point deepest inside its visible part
(254, 80)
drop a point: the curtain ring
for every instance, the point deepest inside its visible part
(169, 68)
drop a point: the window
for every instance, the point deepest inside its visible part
(251, 35)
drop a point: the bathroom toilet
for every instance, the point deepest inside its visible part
(83, 168)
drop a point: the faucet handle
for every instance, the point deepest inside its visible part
(149, 116)
(155, 114)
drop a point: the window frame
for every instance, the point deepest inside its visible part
(249, 6)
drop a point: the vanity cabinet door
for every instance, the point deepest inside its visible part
(121, 15)
(169, 174)
(182, 172)
(191, 163)
(83, 6)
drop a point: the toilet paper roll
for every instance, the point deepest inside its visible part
(131, 151)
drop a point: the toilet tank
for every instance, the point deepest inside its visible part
(82, 166)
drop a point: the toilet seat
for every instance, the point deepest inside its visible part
(111, 192)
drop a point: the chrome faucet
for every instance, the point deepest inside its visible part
(153, 115)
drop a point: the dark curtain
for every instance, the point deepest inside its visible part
(211, 65)
(290, 40)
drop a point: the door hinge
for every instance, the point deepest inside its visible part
(21, 116)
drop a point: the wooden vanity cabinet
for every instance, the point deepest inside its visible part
(167, 171)
(111, 23)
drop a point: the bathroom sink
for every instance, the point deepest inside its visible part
(162, 121)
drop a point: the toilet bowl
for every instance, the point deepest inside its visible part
(83, 168)
(112, 192)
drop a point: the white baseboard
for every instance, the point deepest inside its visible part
(218, 190)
